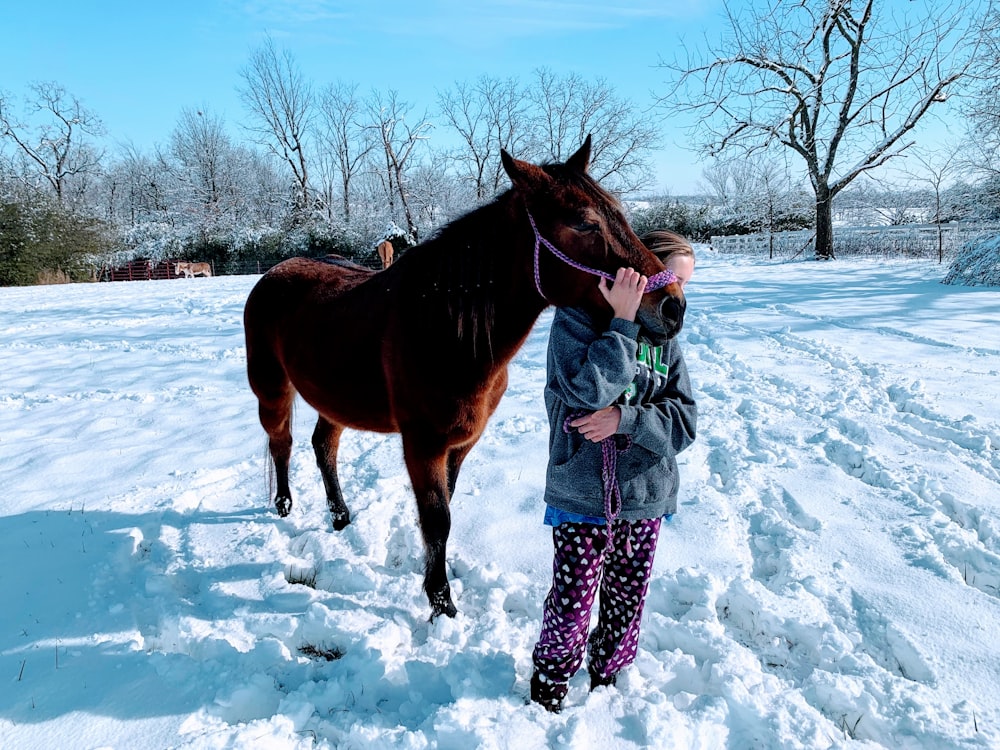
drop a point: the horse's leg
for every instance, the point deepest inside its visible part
(427, 464)
(455, 458)
(276, 418)
(275, 397)
(326, 441)
(457, 453)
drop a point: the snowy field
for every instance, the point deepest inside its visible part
(832, 578)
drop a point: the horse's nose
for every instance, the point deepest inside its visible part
(672, 315)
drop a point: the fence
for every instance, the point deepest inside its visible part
(251, 267)
(907, 241)
(140, 270)
(149, 270)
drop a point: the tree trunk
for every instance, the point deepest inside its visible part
(346, 185)
(940, 229)
(824, 226)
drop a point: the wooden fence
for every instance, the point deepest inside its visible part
(906, 241)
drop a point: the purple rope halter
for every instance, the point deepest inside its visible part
(654, 282)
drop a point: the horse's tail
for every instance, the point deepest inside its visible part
(271, 482)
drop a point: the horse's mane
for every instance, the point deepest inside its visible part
(459, 263)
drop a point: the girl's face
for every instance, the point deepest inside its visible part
(682, 266)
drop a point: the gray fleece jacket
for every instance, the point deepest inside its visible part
(589, 369)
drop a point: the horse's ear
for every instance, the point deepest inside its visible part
(580, 161)
(522, 173)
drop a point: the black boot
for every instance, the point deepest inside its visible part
(549, 695)
(597, 680)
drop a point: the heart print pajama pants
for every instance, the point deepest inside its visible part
(585, 564)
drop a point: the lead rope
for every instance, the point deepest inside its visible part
(610, 448)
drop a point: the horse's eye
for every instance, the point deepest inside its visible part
(587, 226)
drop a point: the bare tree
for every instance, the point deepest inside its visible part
(281, 103)
(936, 169)
(348, 141)
(398, 139)
(435, 195)
(839, 82)
(198, 151)
(57, 149)
(215, 183)
(568, 108)
(488, 115)
(133, 188)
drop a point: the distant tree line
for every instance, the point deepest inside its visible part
(322, 169)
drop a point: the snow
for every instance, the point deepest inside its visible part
(832, 578)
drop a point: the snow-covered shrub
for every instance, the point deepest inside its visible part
(977, 264)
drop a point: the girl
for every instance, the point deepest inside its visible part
(619, 402)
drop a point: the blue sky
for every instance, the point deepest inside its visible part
(137, 65)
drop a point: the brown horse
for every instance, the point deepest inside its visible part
(385, 253)
(422, 347)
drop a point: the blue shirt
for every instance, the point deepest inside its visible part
(557, 517)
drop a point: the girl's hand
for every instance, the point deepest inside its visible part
(626, 294)
(599, 425)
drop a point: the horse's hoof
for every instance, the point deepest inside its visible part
(283, 505)
(341, 520)
(441, 604)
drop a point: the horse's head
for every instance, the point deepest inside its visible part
(581, 234)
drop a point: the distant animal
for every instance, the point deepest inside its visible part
(422, 348)
(385, 253)
(190, 270)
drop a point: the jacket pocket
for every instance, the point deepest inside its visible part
(637, 461)
(580, 476)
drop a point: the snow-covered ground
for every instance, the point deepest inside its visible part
(832, 578)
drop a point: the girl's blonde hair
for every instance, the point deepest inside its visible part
(664, 244)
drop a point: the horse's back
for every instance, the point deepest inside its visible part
(295, 282)
(289, 299)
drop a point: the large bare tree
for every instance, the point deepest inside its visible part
(55, 146)
(842, 83)
(281, 103)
